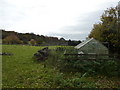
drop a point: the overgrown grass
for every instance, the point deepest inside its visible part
(21, 70)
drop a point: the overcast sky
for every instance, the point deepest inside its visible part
(70, 19)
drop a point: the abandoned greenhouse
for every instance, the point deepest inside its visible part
(91, 46)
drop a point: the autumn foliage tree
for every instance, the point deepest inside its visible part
(108, 30)
(32, 42)
(12, 39)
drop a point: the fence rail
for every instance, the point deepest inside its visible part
(87, 54)
(93, 56)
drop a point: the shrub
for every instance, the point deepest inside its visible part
(93, 67)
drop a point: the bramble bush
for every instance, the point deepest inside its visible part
(77, 82)
(90, 67)
(79, 68)
(93, 67)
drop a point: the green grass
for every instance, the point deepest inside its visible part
(20, 70)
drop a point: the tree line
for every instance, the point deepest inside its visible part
(108, 29)
(12, 37)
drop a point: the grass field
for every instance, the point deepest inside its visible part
(20, 70)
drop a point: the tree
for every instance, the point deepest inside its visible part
(62, 39)
(40, 39)
(108, 30)
(12, 39)
(32, 42)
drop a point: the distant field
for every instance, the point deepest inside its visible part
(20, 70)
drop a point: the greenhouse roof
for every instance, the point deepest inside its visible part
(83, 43)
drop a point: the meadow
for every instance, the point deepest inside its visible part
(21, 70)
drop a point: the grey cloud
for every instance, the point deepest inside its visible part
(83, 27)
(10, 14)
(70, 36)
(85, 22)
